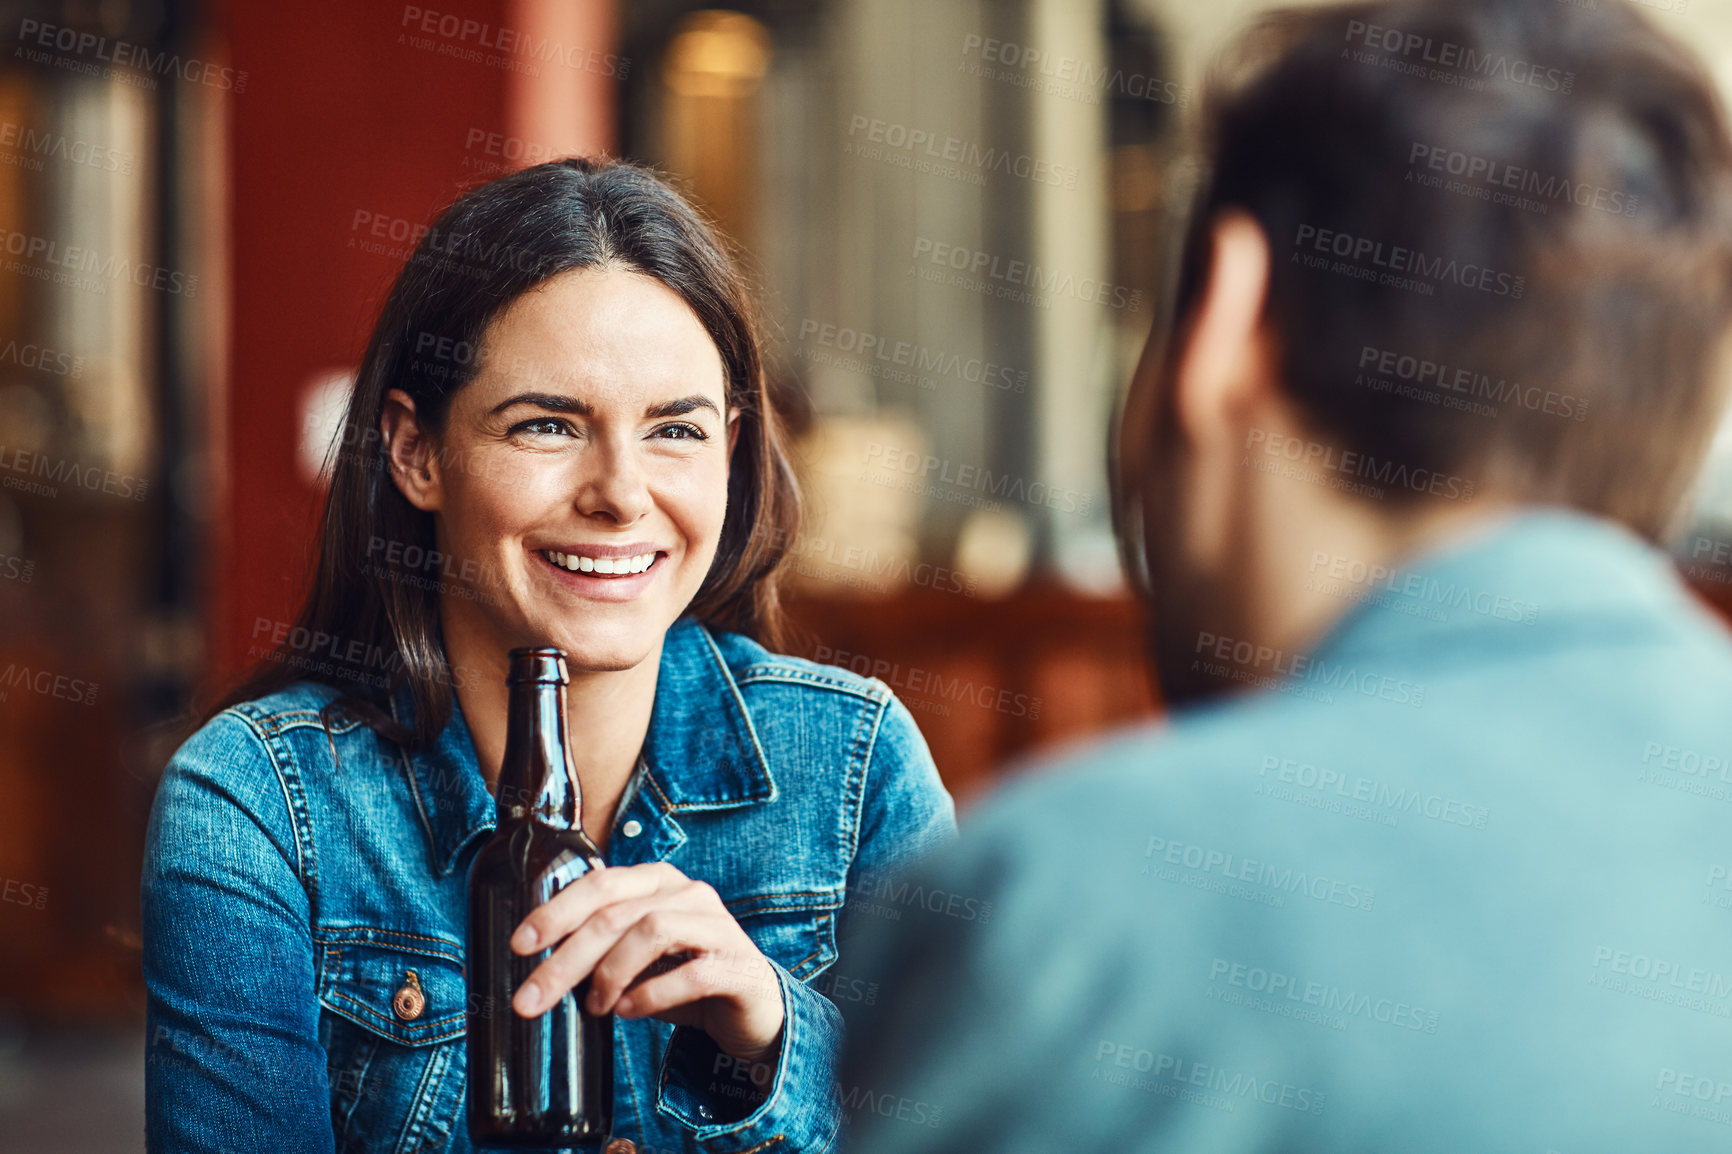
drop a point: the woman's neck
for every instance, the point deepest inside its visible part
(607, 717)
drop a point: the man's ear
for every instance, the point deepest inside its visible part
(1227, 361)
(411, 452)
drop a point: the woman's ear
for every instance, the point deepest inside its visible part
(733, 428)
(410, 452)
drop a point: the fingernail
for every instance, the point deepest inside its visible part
(528, 998)
(524, 939)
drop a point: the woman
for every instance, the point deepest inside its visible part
(560, 435)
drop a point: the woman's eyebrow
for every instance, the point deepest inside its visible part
(554, 401)
(682, 406)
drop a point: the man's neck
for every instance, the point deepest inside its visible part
(1318, 557)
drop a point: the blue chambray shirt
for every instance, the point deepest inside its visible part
(1460, 881)
(294, 876)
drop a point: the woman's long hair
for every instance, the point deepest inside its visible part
(370, 622)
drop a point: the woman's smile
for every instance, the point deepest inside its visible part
(604, 572)
(610, 564)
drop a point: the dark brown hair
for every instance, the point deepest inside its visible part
(1553, 184)
(370, 623)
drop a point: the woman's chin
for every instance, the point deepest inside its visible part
(592, 660)
(604, 650)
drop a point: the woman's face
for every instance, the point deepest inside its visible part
(581, 479)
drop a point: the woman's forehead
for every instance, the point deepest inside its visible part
(605, 330)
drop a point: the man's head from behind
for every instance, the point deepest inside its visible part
(1449, 256)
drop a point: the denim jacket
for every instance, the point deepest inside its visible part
(296, 873)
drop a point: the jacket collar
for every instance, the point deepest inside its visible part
(701, 753)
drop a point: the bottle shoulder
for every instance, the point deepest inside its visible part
(523, 850)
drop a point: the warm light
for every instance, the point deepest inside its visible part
(717, 53)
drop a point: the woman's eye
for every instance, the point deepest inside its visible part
(542, 425)
(681, 431)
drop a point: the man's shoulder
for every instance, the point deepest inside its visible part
(1186, 763)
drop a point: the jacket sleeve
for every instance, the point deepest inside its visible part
(905, 812)
(233, 1059)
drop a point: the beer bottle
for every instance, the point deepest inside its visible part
(548, 1080)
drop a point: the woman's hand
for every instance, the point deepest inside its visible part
(615, 924)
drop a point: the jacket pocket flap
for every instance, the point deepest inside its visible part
(411, 997)
(803, 941)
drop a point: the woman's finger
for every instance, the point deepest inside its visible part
(685, 996)
(721, 973)
(576, 957)
(572, 906)
(658, 932)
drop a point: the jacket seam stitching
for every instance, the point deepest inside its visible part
(740, 704)
(819, 931)
(798, 893)
(284, 719)
(868, 691)
(853, 804)
(665, 802)
(300, 825)
(751, 908)
(403, 760)
(426, 1088)
(353, 937)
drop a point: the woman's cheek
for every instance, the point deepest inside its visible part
(698, 497)
(480, 498)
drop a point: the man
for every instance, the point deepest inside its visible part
(1433, 851)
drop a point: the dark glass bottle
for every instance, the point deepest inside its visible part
(543, 1081)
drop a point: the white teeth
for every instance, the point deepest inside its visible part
(609, 565)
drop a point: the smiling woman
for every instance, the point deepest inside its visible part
(560, 436)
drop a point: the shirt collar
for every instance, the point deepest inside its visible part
(1533, 578)
(701, 753)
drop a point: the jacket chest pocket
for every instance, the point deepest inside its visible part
(393, 1028)
(798, 931)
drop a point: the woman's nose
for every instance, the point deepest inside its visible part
(614, 486)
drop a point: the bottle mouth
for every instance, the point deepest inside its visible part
(538, 665)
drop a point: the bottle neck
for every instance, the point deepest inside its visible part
(536, 779)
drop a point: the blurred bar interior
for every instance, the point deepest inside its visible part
(958, 212)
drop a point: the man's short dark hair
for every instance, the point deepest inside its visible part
(1501, 241)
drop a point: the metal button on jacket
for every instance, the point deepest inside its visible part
(621, 1146)
(410, 1001)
